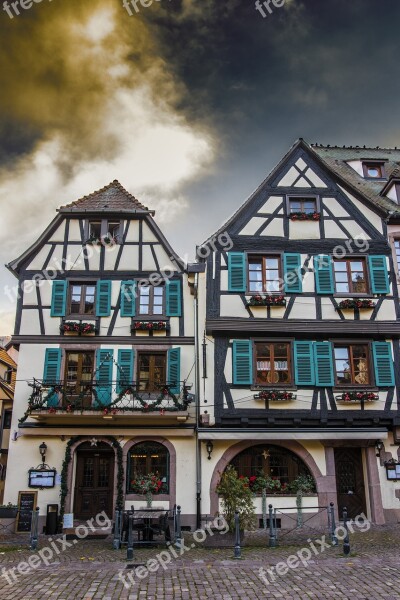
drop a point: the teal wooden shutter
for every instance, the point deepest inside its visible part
(58, 299)
(174, 370)
(104, 367)
(103, 298)
(236, 272)
(242, 356)
(323, 361)
(304, 363)
(128, 297)
(51, 374)
(323, 274)
(378, 273)
(173, 300)
(125, 368)
(383, 364)
(292, 273)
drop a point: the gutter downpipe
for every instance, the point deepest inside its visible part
(197, 392)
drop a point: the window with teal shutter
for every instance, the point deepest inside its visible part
(128, 303)
(103, 376)
(51, 374)
(58, 299)
(378, 272)
(236, 272)
(173, 298)
(103, 298)
(242, 355)
(323, 274)
(303, 363)
(383, 364)
(125, 368)
(292, 273)
(323, 362)
(174, 370)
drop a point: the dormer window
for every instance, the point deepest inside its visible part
(374, 170)
(98, 230)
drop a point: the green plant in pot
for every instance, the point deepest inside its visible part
(236, 495)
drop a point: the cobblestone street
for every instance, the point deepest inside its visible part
(92, 570)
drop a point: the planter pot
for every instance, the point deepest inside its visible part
(222, 540)
(71, 333)
(8, 513)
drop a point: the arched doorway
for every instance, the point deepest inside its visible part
(94, 480)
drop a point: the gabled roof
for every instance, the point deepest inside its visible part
(394, 178)
(111, 198)
(6, 359)
(336, 158)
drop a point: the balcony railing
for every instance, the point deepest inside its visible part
(106, 398)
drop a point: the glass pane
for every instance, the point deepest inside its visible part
(144, 309)
(158, 291)
(88, 472)
(340, 266)
(255, 286)
(158, 310)
(272, 263)
(295, 206)
(255, 266)
(103, 472)
(273, 286)
(72, 367)
(341, 277)
(309, 206)
(255, 276)
(342, 287)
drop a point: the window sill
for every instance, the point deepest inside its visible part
(274, 386)
(355, 388)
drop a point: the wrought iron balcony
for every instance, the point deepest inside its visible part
(105, 398)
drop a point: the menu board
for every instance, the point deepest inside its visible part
(26, 504)
(42, 478)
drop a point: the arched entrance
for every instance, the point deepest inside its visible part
(94, 480)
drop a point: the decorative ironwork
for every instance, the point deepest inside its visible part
(108, 399)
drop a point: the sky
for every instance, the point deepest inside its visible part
(188, 103)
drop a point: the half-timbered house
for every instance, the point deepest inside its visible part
(105, 331)
(302, 334)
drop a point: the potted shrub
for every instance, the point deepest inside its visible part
(8, 511)
(236, 495)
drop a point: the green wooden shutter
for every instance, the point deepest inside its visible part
(174, 370)
(128, 298)
(323, 361)
(104, 367)
(383, 364)
(103, 298)
(292, 273)
(125, 368)
(378, 272)
(173, 300)
(242, 356)
(304, 363)
(52, 365)
(236, 272)
(58, 299)
(323, 274)
(51, 374)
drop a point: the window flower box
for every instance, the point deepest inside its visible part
(276, 396)
(353, 303)
(355, 397)
(77, 328)
(303, 216)
(268, 300)
(149, 326)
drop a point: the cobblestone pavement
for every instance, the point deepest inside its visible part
(92, 570)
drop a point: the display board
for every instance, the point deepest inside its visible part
(26, 504)
(39, 478)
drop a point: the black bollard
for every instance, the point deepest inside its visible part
(33, 542)
(129, 551)
(117, 530)
(238, 550)
(346, 541)
(272, 534)
(334, 539)
(178, 539)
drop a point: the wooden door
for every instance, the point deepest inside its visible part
(350, 481)
(94, 483)
(78, 377)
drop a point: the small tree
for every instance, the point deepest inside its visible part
(236, 495)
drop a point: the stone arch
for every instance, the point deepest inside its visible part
(291, 445)
(171, 497)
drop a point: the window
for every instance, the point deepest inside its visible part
(146, 458)
(303, 205)
(273, 363)
(98, 230)
(78, 370)
(397, 249)
(8, 376)
(114, 229)
(151, 300)
(278, 463)
(95, 229)
(151, 371)
(7, 419)
(82, 298)
(352, 365)
(350, 276)
(265, 274)
(374, 170)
